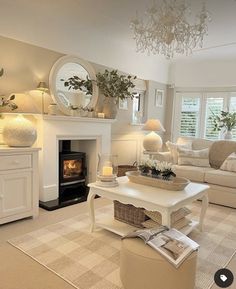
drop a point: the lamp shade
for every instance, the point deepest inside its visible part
(42, 86)
(153, 125)
(153, 142)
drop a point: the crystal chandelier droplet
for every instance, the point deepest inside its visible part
(166, 29)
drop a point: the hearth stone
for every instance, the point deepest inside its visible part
(57, 203)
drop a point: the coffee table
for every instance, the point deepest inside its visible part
(150, 198)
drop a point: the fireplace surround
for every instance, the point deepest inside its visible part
(91, 136)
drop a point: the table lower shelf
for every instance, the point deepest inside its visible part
(109, 223)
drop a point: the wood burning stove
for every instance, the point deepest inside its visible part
(72, 178)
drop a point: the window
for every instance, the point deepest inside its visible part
(189, 116)
(232, 108)
(193, 110)
(138, 107)
(214, 105)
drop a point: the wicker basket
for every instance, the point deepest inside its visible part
(129, 214)
(122, 169)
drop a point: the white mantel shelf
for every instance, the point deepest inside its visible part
(78, 119)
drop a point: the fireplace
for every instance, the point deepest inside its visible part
(72, 178)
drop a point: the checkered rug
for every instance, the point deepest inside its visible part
(91, 261)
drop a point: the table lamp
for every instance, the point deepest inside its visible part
(20, 131)
(152, 142)
(42, 86)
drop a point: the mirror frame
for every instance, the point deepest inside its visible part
(52, 80)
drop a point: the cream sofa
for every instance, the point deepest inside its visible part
(222, 183)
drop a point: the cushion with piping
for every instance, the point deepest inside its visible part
(229, 164)
(173, 148)
(198, 158)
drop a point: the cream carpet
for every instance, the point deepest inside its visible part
(91, 261)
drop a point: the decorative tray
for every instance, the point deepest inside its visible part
(175, 184)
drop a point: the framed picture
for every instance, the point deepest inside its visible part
(123, 104)
(159, 98)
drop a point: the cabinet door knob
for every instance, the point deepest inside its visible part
(16, 162)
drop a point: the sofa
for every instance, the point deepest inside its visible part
(222, 183)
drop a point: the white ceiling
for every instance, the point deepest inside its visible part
(98, 30)
(112, 17)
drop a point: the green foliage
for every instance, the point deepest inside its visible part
(7, 102)
(115, 85)
(77, 83)
(225, 120)
(110, 83)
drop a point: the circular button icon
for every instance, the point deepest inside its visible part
(224, 278)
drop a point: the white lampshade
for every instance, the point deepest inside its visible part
(153, 125)
(152, 142)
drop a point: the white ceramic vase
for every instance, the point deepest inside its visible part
(19, 132)
(110, 107)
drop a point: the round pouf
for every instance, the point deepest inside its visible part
(142, 267)
(19, 132)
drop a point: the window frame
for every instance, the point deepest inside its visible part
(203, 94)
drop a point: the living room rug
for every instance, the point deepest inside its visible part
(91, 261)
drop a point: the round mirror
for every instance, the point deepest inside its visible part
(65, 96)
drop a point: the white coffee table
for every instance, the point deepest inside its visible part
(150, 198)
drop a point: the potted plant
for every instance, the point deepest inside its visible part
(226, 120)
(155, 170)
(113, 86)
(145, 167)
(166, 170)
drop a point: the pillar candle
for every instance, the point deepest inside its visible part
(101, 115)
(107, 171)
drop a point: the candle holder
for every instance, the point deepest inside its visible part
(107, 170)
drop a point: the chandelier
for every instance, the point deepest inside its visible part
(166, 29)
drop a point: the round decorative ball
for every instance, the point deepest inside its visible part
(19, 132)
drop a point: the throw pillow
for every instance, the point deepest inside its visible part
(229, 164)
(198, 158)
(173, 148)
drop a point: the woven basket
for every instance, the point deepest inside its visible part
(122, 169)
(129, 214)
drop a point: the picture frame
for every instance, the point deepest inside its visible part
(159, 97)
(123, 104)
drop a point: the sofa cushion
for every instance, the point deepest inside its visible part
(173, 148)
(195, 174)
(219, 151)
(198, 158)
(230, 163)
(197, 143)
(221, 178)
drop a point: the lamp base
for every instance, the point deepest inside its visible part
(152, 142)
(19, 132)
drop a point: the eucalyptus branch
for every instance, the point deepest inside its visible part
(110, 83)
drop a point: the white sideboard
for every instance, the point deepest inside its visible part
(19, 183)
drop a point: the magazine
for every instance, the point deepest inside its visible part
(170, 243)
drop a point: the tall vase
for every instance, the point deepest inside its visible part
(228, 135)
(110, 107)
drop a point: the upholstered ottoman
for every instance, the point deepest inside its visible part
(143, 268)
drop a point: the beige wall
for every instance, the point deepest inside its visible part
(25, 65)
